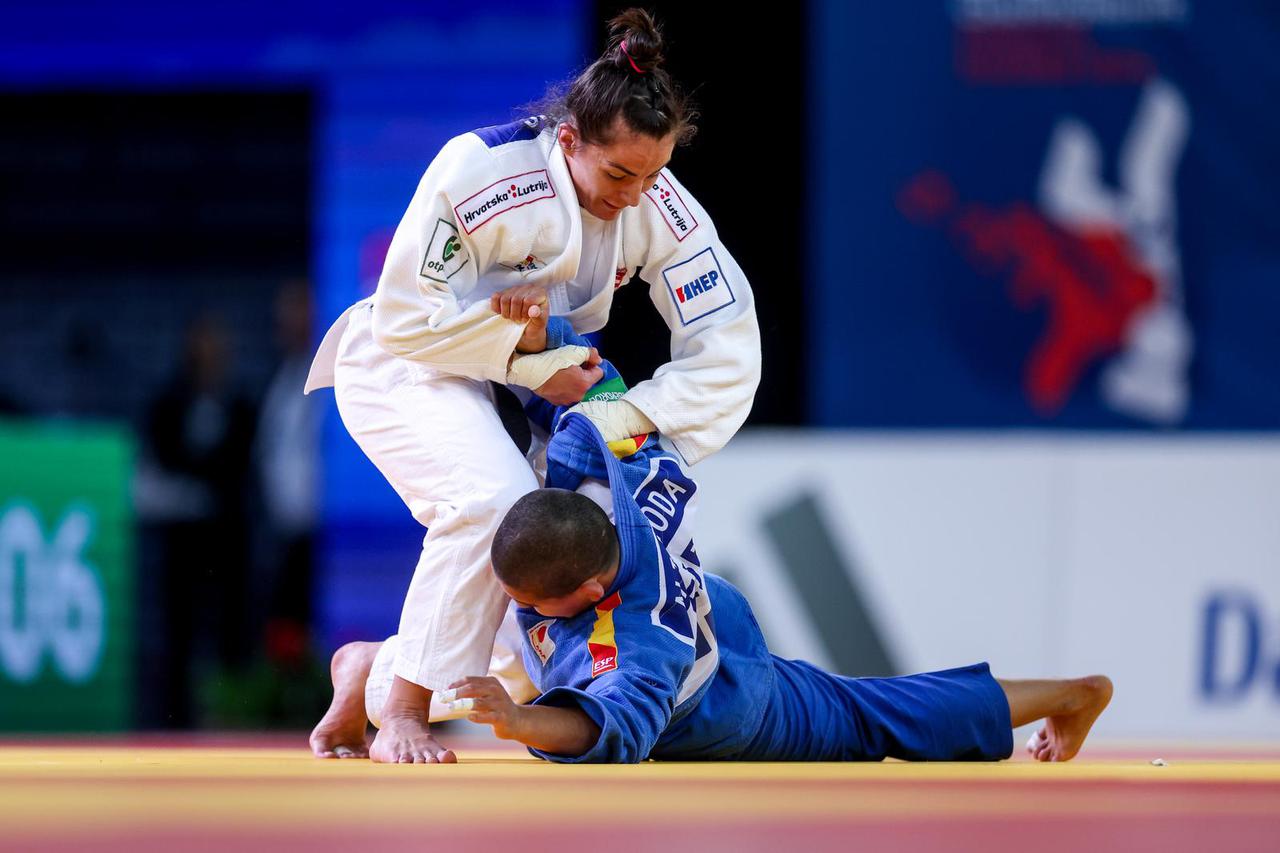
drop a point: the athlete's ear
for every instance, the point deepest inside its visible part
(592, 589)
(568, 136)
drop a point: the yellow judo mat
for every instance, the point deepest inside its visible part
(219, 795)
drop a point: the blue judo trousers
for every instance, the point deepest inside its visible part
(671, 663)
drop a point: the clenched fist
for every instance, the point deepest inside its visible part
(525, 303)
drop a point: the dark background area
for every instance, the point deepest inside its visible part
(101, 182)
(124, 215)
(746, 166)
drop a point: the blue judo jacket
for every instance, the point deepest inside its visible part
(671, 661)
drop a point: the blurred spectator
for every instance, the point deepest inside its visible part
(286, 458)
(192, 489)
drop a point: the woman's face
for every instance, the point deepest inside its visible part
(608, 178)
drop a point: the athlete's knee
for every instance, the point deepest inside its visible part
(498, 497)
(484, 505)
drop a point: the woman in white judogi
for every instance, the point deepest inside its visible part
(555, 211)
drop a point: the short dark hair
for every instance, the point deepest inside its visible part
(648, 99)
(551, 541)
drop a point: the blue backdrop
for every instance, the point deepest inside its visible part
(1029, 215)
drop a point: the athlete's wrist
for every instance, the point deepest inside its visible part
(524, 723)
(531, 343)
(563, 731)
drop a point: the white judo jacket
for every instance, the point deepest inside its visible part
(497, 208)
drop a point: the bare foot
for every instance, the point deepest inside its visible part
(341, 732)
(407, 740)
(1064, 733)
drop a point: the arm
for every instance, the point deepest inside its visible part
(702, 396)
(617, 719)
(432, 264)
(607, 384)
(630, 710)
(542, 363)
(565, 731)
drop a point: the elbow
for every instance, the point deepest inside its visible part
(629, 742)
(746, 350)
(755, 348)
(636, 740)
(749, 370)
(631, 753)
(753, 370)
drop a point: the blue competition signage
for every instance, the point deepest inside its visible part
(1046, 213)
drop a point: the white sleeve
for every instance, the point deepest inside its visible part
(701, 397)
(432, 264)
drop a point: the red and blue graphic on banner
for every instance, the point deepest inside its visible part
(1045, 214)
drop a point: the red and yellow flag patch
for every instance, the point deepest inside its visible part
(601, 643)
(624, 447)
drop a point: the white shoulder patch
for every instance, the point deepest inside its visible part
(503, 195)
(698, 286)
(445, 253)
(672, 207)
(540, 640)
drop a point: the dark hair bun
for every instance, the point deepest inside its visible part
(638, 29)
(630, 86)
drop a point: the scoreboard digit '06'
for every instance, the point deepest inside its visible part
(66, 578)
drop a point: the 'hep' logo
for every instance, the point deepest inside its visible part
(51, 601)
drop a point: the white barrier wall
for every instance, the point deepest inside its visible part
(1155, 561)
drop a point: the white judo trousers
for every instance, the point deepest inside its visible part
(439, 442)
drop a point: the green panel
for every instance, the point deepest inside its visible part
(66, 577)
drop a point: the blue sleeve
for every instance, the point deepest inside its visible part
(560, 333)
(631, 704)
(631, 708)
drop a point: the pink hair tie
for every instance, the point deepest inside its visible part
(638, 69)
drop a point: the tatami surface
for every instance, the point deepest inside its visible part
(247, 794)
